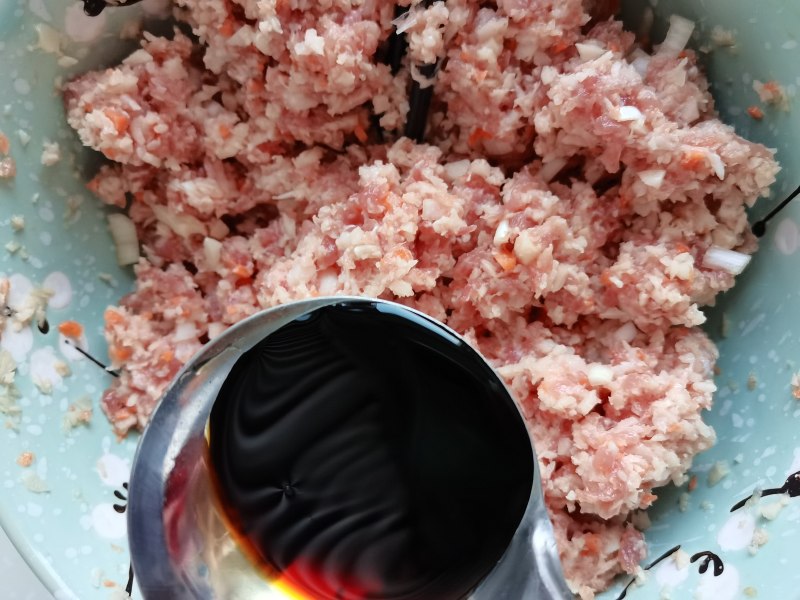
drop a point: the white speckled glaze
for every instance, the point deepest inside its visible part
(75, 538)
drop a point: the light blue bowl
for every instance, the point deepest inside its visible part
(73, 536)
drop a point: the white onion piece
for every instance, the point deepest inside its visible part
(730, 261)
(678, 35)
(212, 250)
(626, 332)
(717, 165)
(590, 51)
(641, 64)
(551, 169)
(183, 225)
(185, 331)
(502, 233)
(628, 113)
(49, 40)
(328, 282)
(457, 169)
(123, 232)
(215, 330)
(653, 177)
(405, 21)
(600, 375)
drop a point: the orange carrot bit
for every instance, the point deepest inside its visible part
(242, 271)
(71, 329)
(110, 153)
(224, 131)
(93, 185)
(505, 259)
(385, 202)
(113, 317)
(402, 253)
(228, 28)
(26, 459)
(560, 46)
(591, 544)
(648, 499)
(478, 135)
(120, 353)
(755, 112)
(692, 483)
(120, 120)
(681, 248)
(693, 160)
(360, 134)
(166, 356)
(5, 145)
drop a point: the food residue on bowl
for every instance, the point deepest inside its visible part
(51, 153)
(719, 470)
(34, 483)
(26, 459)
(772, 93)
(78, 413)
(576, 204)
(8, 167)
(795, 384)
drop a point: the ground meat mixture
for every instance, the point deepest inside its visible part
(558, 217)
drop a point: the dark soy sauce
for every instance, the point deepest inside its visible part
(362, 451)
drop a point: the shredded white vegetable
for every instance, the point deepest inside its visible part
(186, 331)
(502, 233)
(717, 165)
(49, 40)
(641, 64)
(652, 177)
(730, 261)
(551, 169)
(182, 224)
(678, 35)
(212, 249)
(123, 231)
(405, 21)
(590, 51)
(629, 113)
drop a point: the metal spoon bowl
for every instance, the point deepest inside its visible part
(180, 545)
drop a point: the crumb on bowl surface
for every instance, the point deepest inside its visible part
(577, 203)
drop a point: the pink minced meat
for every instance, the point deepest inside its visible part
(559, 218)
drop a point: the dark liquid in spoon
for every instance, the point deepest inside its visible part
(364, 452)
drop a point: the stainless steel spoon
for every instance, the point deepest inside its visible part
(180, 546)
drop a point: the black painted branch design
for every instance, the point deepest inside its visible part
(706, 556)
(709, 557)
(661, 558)
(791, 486)
(121, 509)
